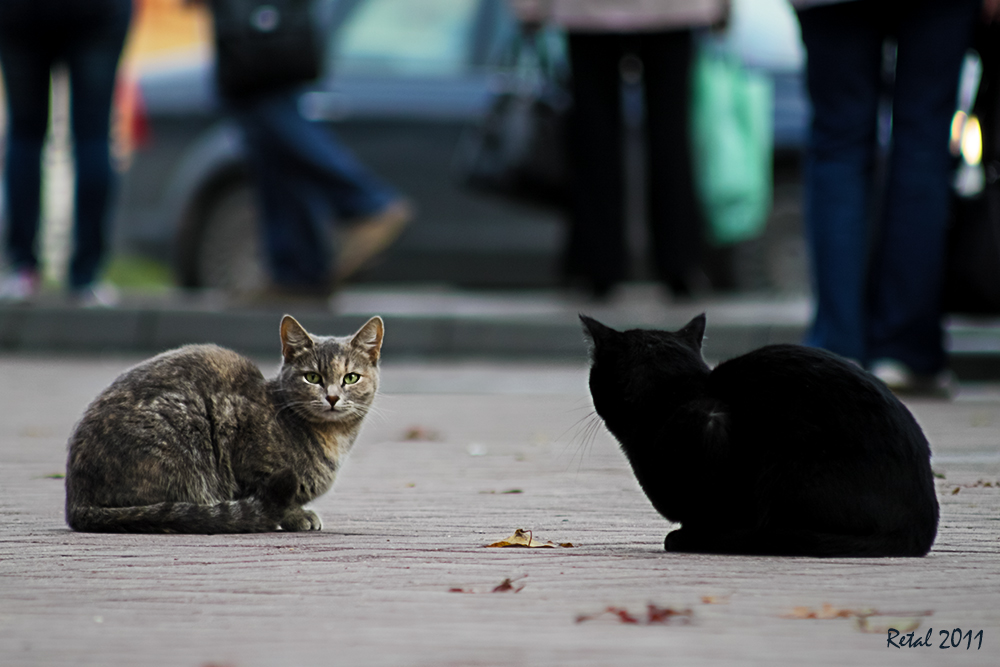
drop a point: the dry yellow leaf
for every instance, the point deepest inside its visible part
(524, 538)
(827, 611)
(879, 625)
(715, 599)
(868, 620)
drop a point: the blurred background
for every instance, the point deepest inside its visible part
(406, 88)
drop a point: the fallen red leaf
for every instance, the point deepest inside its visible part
(654, 614)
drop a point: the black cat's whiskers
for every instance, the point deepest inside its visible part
(585, 431)
(592, 430)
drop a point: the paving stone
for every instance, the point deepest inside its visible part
(408, 521)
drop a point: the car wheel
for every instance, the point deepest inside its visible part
(227, 253)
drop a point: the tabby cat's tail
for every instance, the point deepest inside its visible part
(256, 514)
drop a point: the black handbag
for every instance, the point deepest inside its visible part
(972, 269)
(264, 45)
(518, 149)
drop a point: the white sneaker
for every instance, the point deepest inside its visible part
(96, 296)
(20, 286)
(903, 381)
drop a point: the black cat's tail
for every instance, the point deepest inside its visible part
(255, 514)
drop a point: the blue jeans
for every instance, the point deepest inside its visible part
(878, 252)
(305, 178)
(35, 35)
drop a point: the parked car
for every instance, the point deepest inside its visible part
(405, 81)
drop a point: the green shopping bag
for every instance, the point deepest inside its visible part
(732, 143)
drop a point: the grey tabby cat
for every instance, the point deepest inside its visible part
(195, 440)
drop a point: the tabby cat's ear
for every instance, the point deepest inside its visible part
(294, 339)
(369, 338)
(694, 331)
(596, 331)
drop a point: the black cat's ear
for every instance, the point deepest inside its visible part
(596, 331)
(369, 338)
(294, 339)
(694, 331)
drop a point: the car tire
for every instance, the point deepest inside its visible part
(220, 247)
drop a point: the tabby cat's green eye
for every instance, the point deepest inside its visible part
(314, 378)
(351, 378)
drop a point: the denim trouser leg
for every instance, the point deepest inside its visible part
(294, 227)
(26, 83)
(303, 176)
(878, 281)
(93, 65)
(843, 76)
(87, 37)
(908, 266)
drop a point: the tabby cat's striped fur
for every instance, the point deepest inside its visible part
(195, 440)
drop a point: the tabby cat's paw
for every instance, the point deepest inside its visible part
(301, 519)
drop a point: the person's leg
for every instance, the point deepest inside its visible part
(92, 54)
(315, 151)
(907, 270)
(844, 47)
(26, 61)
(298, 253)
(596, 250)
(674, 214)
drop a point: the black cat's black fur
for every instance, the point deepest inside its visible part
(787, 450)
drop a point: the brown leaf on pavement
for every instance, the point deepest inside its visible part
(503, 587)
(508, 585)
(418, 433)
(524, 538)
(654, 615)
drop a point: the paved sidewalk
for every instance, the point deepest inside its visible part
(407, 523)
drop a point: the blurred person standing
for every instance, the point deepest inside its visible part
(878, 280)
(659, 33)
(36, 35)
(304, 177)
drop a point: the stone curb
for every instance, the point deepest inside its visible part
(975, 350)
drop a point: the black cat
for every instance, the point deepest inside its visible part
(787, 450)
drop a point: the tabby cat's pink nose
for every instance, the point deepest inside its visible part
(332, 400)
